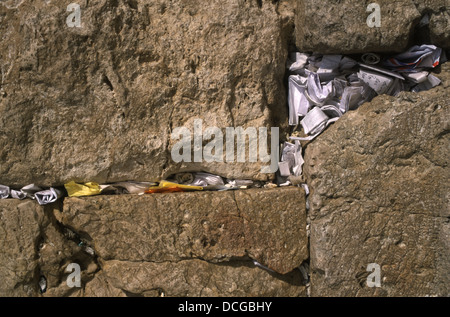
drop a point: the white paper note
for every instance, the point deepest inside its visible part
(4, 192)
(47, 196)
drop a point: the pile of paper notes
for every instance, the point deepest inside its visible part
(324, 87)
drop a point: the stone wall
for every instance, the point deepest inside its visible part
(337, 27)
(99, 102)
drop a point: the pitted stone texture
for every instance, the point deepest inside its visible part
(20, 235)
(440, 28)
(379, 194)
(192, 278)
(32, 246)
(338, 27)
(99, 102)
(268, 226)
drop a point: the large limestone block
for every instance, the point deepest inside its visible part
(99, 102)
(379, 194)
(268, 226)
(192, 278)
(341, 26)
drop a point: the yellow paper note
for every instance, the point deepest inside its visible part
(79, 190)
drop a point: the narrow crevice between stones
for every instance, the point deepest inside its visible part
(294, 278)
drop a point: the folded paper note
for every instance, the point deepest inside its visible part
(30, 190)
(417, 57)
(4, 192)
(298, 103)
(17, 194)
(291, 159)
(300, 60)
(206, 179)
(129, 187)
(431, 82)
(377, 81)
(165, 186)
(80, 190)
(48, 196)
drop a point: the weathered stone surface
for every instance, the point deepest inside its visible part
(268, 226)
(192, 278)
(32, 245)
(431, 6)
(19, 238)
(379, 194)
(99, 102)
(440, 28)
(341, 26)
(56, 251)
